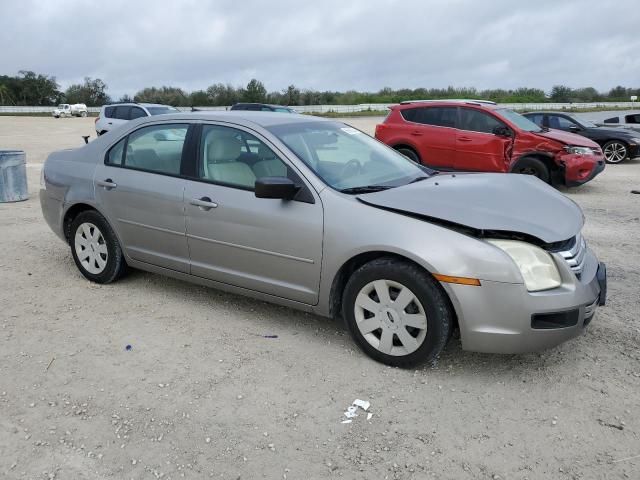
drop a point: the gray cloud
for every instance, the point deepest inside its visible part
(332, 44)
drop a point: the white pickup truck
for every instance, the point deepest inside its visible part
(66, 110)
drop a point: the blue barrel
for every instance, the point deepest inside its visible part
(13, 176)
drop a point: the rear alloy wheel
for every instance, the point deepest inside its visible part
(409, 153)
(397, 313)
(614, 151)
(532, 166)
(95, 248)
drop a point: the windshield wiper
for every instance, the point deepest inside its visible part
(365, 189)
(418, 179)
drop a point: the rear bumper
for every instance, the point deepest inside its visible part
(506, 318)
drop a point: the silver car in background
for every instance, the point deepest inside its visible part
(316, 215)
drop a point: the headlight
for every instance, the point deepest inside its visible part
(537, 267)
(578, 150)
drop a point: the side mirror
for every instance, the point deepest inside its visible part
(276, 187)
(501, 131)
(574, 128)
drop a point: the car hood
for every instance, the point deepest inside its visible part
(567, 138)
(487, 203)
(618, 132)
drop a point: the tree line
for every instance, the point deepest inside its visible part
(30, 88)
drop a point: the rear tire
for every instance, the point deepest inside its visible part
(95, 248)
(532, 166)
(410, 153)
(83, 114)
(397, 313)
(615, 151)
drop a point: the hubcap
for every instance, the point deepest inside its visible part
(615, 152)
(390, 317)
(91, 248)
(529, 171)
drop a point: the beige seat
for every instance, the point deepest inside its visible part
(222, 151)
(270, 165)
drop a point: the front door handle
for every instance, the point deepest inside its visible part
(204, 203)
(464, 139)
(107, 184)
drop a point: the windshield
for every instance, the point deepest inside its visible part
(346, 158)
(584, 123)
(161, 110)
(521, 122)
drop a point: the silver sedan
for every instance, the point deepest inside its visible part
(316, 215)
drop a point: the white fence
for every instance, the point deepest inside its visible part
(363, 107)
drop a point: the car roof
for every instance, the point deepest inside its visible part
(263, 119)
(139, 104)
(449, 103)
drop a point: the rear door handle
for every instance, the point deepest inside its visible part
(416, 133)
(107, 184)
(204, 203)
(464, 139)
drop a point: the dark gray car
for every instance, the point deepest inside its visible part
(315, 215)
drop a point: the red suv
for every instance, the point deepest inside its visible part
(475, 135)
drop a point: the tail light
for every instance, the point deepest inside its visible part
(97, 118)
(379, 128)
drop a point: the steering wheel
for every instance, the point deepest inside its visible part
(352, 167)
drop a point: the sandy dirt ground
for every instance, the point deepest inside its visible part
(203, 394)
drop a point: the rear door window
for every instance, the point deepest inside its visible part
(612, 120)
(122, 112)
(436, 116)
(473, 120)
(108, 112)
(157, 148)
(137, 112)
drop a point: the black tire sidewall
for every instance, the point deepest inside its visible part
(424, 286)
(537, 165)
(115, 259)
(409, 153)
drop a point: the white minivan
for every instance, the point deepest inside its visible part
(116, 114)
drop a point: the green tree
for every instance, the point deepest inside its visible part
(93, 92)
(561, 94)
(291, 95)
(255, 92)
(173, 96)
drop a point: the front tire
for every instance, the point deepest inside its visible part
(615, 151)
(396, 312)
(409, 153)
(95, 248)
(83, 114)
(532, 166)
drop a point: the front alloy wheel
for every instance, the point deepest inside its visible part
(614, 151)
(396, 312)
(390, 317)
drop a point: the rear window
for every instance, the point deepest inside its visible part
(612, 120)
(122, 112)
(162, 110)
(108, 112)
(633, 118)
(436, 116)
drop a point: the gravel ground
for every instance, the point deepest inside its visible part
(202, 393)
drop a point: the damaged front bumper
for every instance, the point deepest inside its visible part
(506, 318)
(579, 170)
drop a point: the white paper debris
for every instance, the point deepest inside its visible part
(351, 412)
(369, 415)
(347, 421)
(363, 404)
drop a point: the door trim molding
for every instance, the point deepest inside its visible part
(252, 249)
(150, 227)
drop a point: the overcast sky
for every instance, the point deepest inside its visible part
(325, 44)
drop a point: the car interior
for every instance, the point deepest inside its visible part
(234, 157)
